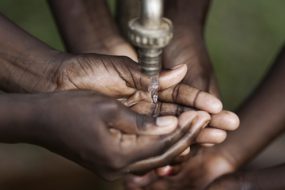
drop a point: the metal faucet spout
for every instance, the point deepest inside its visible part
(151, 13)
(150, 33)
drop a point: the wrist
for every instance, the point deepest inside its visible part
(188, 13)
(17, 116)
(33, 72)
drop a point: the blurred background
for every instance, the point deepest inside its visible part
(243, 38)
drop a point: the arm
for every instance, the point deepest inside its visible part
(30, 65)
(22, 70)
(262, 117)
(16, 118)
(188, 45)
(128, 139)
(269, 178)
(87, 26)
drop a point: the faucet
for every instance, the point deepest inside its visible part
(150, 33)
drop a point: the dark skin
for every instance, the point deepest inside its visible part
(52, 121)
(28, 65)
(48, 70)
(240, 147)
(207, 164)
(269, 178)
(270, 95)
(80, 28)
(211, 158)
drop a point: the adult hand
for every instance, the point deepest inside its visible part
(204, 166)
(188, 48)
(104, 136)
(120, 77)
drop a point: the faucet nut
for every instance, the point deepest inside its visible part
(144, 37)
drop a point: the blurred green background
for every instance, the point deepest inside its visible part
(243, 38)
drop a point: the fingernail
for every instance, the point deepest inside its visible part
(166, 123)
(209, 103)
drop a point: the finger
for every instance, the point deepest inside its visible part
(211, 136)
(130, 122)
(172, 77)
(135, 78)
(166, 157)
(225, 120)
(140, 147)
(213, 87)
(185, 155)
(189, 96)
(159, 109)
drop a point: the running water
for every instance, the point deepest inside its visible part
(153, 89)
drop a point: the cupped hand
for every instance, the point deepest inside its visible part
(204, 165)
(121, 78)
(106, 137)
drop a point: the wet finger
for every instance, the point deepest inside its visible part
(211, 136)
(189, 96)
(172, 77)
(225, 120)
(166, 157)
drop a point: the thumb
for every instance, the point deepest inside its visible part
(131, 122)
(172, 77)
(130, 71)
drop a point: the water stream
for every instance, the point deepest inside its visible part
(153, 89)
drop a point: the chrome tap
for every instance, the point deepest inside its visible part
(150, 33)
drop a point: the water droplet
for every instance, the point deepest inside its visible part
(153, 89)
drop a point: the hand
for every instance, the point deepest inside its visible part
(201, 169)
(106, 137)
(235, 181)
(120, 77)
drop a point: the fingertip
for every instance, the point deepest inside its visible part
(211, 136)
(226, 120)
(233, 120)
(209, 103)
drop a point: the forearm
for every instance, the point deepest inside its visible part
(188, 45)
(262, 117)
(190, 14)
(26, 63)
(16, 118)
(269, 178)
(83, 24)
